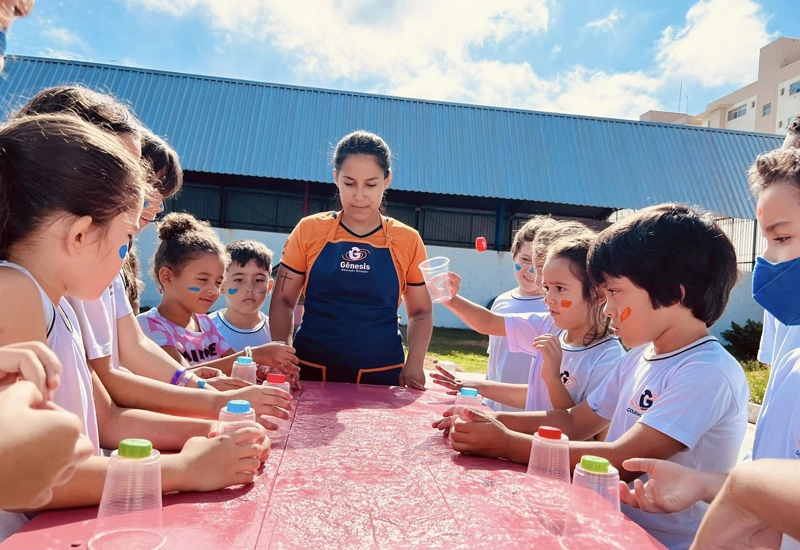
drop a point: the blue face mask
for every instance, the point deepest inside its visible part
(775, 288)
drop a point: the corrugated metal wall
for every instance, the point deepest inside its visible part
(256, 129)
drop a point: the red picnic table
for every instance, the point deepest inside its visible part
(361, 468)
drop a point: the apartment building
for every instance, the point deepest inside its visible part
(766, 106)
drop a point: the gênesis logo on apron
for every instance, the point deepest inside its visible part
(355, 260)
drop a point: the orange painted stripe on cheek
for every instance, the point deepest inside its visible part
(625, 314)
(566, 303)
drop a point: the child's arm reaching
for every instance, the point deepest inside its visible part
(513, 395)
(671, 487)
(756, 505)
(476, 317)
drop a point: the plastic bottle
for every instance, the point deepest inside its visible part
(467, 397)
(598, 475)
(244, 369)
(279, 381)
(236, 415)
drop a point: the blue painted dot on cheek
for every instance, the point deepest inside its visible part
(146, 204)
(532, 271)
(517, 267)
(262, 292)
(232, 291)
(193, 289)
(123, 251)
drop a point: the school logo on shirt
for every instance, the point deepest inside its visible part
(356, 254)
(568, 379)
(643, 404)
(354, 260)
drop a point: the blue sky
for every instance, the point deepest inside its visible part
(604, 58)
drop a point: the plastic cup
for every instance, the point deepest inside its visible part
(244, 369)
(236, 415)
(130, 508)
(449, 366)
(435, 272)
(279, 381)
(594, 502)
(550, 455)
(467, 397)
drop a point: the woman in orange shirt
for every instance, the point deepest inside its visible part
(354, 267)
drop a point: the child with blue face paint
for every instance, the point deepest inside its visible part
(775, 181)
(246, 287)
(188, 269)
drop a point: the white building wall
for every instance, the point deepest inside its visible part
(788, 105)
(747, 123)
(484, 276)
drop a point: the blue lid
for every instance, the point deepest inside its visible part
(469, 392)
(238, 406)
(244, 361)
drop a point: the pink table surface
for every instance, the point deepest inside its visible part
(361, 469)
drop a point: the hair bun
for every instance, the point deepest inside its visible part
(176, 224)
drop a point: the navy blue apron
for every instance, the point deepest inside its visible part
(350, 331)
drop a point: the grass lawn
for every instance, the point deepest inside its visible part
(467, 349)
(757, 375)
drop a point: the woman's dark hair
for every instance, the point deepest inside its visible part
(575, 250)
(182, 239)
(674, 252)
(59, 164)
(162, 157)
(361, 142)
(99, 109)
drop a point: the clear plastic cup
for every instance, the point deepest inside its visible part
(594, 502)
(466, 398)
(449, 366)
(244, 369)
(548, 484)
(550, 455)
(130, 508)
(236, 415)
(435, 272)
(279, 381)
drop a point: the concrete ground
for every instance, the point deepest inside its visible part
(747, 444)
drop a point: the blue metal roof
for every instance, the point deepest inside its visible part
(248, 128)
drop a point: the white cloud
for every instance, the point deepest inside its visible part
(719, 44)
(62, 54)
(63, 37)
(606, 23)
(556, 49)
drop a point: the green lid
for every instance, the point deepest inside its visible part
(135, 448)
(594, 464)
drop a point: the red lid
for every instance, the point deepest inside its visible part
(275, 378)
(549, 433)
(480, 244)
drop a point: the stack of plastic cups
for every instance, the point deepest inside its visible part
(279, 381)
(547, 490)
(244, 369)
(235, 416)
(593, 516)
(467, 397)
(130, 508)
(434, 271)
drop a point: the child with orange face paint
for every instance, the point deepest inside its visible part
(677, 395)
(572, 347)
(504, 365)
